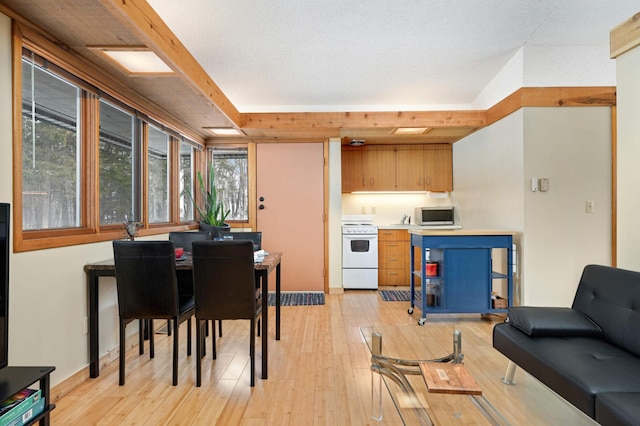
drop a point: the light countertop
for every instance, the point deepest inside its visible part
(398, 226)
(461, 231)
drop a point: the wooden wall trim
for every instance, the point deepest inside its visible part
(625, 36)
(523, 97)
(146, 23)
(614, 186)
(551, 97)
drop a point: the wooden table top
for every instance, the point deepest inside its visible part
(269, 262)
(443, 377)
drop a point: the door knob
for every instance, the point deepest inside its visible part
(261, 199)
(261, 206)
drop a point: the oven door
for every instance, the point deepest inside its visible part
(360, 251)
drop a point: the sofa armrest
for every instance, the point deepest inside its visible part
(552, 322)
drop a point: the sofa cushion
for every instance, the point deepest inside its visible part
(611, 298)
(552, 322)
(617, 408)
(577, 368)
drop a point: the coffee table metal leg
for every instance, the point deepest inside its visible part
(488, 410)
(510, 374)
(376, 382)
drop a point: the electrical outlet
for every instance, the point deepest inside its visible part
(590, 206)
(544, 184)
(534, 184)
(363, 209)
(373, 209)
(113, 354)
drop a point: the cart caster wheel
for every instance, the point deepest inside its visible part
(410, 311)
(421, 321)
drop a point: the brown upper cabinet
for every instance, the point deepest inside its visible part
(438, 168)
(397, 168)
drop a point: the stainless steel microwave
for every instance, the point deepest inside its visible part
(434, 216)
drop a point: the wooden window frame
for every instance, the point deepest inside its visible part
(90, 230)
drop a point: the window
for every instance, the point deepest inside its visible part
(91, 159)
(185, 181)
(116, 165)
(232, 183)
(51, 196)
(158, 172)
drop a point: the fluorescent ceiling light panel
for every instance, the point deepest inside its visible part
(137, 61)
(225, 131)
(410, 130)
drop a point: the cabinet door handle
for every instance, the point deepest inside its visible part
(393, 273)
(428, 181)
(420, 181)
(364, 181)
(392, 244)
(392, 259)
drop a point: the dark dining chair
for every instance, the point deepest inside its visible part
(185, 277)
(255, 237)
(147, 290)
(184, 239)
(225, 289)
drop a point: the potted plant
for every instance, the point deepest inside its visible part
(211, 209)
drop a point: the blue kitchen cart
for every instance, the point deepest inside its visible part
(465, 275)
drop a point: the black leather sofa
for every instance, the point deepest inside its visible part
(590, 353)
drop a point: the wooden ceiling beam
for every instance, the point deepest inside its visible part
(145, 22)
(296, 120)
(625, 36)
(551, 97)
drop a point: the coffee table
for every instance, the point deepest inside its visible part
(403, 354)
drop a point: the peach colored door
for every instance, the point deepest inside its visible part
(290, 186)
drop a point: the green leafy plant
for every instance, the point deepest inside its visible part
(211, 209)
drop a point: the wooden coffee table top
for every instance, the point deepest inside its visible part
(449, 378)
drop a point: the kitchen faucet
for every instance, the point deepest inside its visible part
(404, 217)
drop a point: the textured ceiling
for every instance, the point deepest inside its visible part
(310, 70)
(377, 55)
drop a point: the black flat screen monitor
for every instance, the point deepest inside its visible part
(4, 284)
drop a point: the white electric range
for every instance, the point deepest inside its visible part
(359, 252)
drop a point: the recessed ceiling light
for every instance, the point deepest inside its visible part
(409, 130)
(225, 131)
(136, 60)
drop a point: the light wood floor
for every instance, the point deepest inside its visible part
(318, 375)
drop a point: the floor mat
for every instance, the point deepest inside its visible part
(297, 299)
(397, 295)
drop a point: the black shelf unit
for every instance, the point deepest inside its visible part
(16, 379)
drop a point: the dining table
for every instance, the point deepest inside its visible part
(106, 268)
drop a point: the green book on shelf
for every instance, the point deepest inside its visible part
(12, 409)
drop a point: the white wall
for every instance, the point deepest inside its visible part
(492, 172)
(549, 66)
(5, 109)
(572, 147)
(487, 181)
(335, 212)
(48, 291)
(628, 66)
